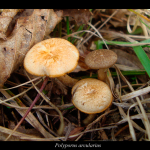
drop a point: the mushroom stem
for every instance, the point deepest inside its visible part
(89, 119)
(67, 80)
(102, 74)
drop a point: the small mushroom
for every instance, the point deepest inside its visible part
(91, 96)
(53, 57)
(101, 59)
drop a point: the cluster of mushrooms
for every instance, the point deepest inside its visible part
(56, 57)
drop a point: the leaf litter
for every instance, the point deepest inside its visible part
(54, 111)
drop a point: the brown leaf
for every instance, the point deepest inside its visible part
(5, 18)
(22, 129)
(53, 19)
(75, 131)
(118, 20)
(121, 14)
(29, 29)
(127, 59)
(81, 16)
(17, 136)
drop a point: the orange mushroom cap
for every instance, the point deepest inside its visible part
(53, 57)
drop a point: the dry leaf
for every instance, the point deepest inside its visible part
(127, 59)
(121, 14)
(118, 24)
(28, 30)
(5, 18)
(17, 136)
(75, 131)
(118, 20)
(22, 129)
(81, 16)
(79, 68)
(54, 18)
(81, 65)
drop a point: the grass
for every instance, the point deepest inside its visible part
(68, 28)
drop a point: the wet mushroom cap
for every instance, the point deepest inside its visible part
(91, 96)
(102, 58)
(53, 57)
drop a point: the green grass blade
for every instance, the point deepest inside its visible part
(68, 30)
(121, 42)
(69, 108)
(144, 24)
(136, 32)
(79, 29)
(99, 45)
(112, 42)
(60, 29)
(145, 61)
(84, 32)
(145, 41)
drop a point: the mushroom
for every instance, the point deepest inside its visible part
(101, 59)
(53, 57)
(91, 96)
